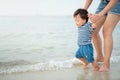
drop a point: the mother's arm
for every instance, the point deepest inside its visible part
(108, 7)
(104, 11)
(87, 4)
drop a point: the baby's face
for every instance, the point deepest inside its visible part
(79, 21)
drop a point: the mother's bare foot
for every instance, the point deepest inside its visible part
(96, 68)
(104, 68)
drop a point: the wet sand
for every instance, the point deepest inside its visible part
(76, 73)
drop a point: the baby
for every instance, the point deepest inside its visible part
(85, 29)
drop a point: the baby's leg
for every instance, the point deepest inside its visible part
(95, 66)
(85, 63)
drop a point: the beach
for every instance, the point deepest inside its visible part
(43, 48)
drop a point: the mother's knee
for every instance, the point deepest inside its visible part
(106, 33)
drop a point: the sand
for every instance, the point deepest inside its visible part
(76, 73)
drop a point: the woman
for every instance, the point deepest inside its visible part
(107, 15)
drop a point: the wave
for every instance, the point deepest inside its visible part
(51, 65)
(24, 66)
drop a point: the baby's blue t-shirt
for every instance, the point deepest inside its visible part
(85, 34)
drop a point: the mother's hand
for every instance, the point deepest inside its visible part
(94, 17)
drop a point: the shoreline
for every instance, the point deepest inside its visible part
(76, 73)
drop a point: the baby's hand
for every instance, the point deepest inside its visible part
(94, 25)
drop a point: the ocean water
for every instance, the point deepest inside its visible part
(33, 43)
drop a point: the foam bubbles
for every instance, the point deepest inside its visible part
(51, 65)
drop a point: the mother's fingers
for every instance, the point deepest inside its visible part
(95, 17)
(90, 15)
(93, 21)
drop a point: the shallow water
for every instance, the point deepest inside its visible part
(41, 43)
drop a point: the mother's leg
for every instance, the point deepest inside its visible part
(97, 40)
(108, 27)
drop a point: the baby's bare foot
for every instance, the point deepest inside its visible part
(85, 65)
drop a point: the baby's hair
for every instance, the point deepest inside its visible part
(83, 14)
